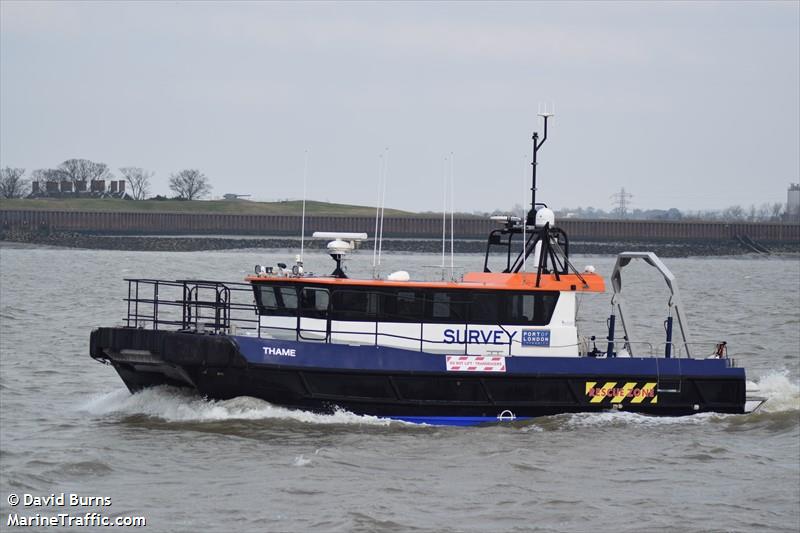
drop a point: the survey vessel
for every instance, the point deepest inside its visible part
(494, 345)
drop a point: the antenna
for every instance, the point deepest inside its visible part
(452, 210)
(444, 211)
(524, 224)
(545, 114)
(377, 213)
(621, 199)
(303, 220)
(383, 202)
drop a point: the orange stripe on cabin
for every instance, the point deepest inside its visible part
(472, 280)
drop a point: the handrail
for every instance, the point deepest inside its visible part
(199, 305)
(627, 345)
(375, 336)
(227, 307)
(716, 348)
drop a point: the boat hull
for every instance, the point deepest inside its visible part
(417, 386)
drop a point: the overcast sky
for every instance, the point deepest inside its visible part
(689, 105)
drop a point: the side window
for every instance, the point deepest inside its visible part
(315, 303)
(287, 297)
(351, 305)
(545, 305)
(401, 306)
(441, 305)
(267, 300)
(410, 306)
(521, 309)
(277, 300)
(485, 308)
(445, 307)
(534, 309)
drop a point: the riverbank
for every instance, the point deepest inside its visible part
(196, 207)
(201, 243)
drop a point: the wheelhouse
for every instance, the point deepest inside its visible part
(473, 318)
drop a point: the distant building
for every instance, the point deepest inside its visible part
(793, 202)
(230, 196)
(78, 189)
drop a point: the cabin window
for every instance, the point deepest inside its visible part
(349, 305)
(453, 307)
(445, 307)
(534, 309)
(441, 305)
(278, 300)
(485, 308)
(410, 306)
(505, 307)
(401, 306)
(315, 303)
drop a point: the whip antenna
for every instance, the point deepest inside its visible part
(377, 214)
(303, 218)
(383, 203)
(524, 222)
(444, 212)
(452, 209)
(536, 145)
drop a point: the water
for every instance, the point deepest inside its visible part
(67, 424)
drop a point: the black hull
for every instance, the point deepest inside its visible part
(214, 366)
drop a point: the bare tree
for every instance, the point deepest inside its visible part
(43, 175)
(777, 210)
(139, 181)
(76, 170)
(12, 182)
(732, 213)
(189, 184)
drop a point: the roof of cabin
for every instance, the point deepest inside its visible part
(522, 281)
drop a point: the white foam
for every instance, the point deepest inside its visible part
(301, 461)
(781, 392)
(178, 405)
(617, 418)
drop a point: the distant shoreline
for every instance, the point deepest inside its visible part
(181, 243)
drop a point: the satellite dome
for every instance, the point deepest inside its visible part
(545, 215)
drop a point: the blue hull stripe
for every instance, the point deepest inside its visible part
(455, 420)
(337, 357)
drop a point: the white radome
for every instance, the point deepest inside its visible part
(400, 275)
(545, 215)
(339, 246)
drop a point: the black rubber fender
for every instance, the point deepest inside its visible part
(191, 349)
(187, 349)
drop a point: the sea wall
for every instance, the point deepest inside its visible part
(416, 245)
(397, 227)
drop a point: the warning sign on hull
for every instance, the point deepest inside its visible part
(475, 363)
(615, 392)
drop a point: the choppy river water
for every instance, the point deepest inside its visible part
(68, 425)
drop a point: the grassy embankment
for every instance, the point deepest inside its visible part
(231, 207)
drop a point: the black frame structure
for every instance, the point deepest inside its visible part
(554, 249)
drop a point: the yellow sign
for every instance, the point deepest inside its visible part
(631, 392)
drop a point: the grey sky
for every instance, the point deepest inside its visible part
(688, 105)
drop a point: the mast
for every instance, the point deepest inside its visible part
(536, 145)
